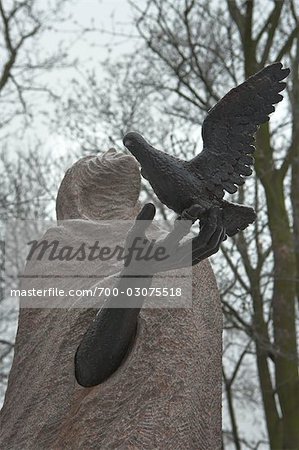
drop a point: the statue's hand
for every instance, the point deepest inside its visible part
(206, 243)
(178, 255)
(211, 234)
(136, 239)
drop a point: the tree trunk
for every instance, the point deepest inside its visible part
(284, 293)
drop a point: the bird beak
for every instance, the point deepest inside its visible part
(127, 142)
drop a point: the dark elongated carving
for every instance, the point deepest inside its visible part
(108, 338)
(226, 159)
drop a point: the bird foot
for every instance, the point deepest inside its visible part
(193, 213)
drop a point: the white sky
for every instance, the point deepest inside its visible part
(105, 16)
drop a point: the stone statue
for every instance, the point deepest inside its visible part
(164, 390)
(228, 134)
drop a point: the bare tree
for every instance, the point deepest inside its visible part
(32, 49)
(24, 188)
(190, 53)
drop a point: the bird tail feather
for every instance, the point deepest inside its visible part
(237, 217)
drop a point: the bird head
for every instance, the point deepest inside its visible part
(137, 145)
(152, 160)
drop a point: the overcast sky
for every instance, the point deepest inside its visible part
(107, 18)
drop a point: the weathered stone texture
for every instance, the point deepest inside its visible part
(167, 393)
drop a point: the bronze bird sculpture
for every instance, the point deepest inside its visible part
(228, 144)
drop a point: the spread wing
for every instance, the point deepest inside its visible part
(229, 128)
